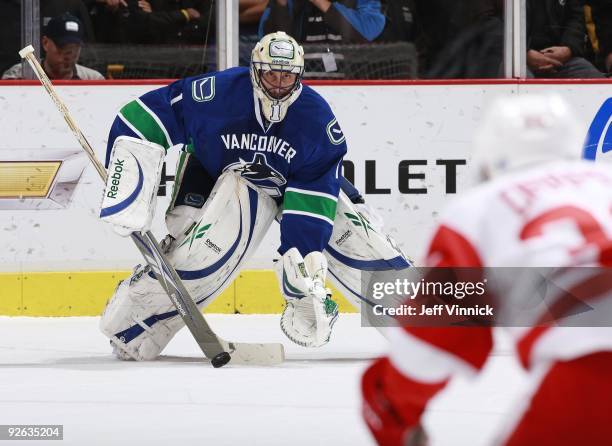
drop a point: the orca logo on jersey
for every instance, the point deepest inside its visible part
(203, 90)
(335, 132)
(260, 173)
(598, 143)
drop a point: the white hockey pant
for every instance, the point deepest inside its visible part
(209, 246)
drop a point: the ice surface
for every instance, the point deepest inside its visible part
(60, 371)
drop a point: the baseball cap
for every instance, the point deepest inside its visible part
(64, 29)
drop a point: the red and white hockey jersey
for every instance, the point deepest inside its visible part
(551, 216)
(555, 215)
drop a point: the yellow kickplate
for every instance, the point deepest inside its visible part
(10, 294)
(27, 178)
(81, 293)
(258, 292)
(225, 302)
(85, 293)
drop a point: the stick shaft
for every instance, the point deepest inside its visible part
(46, 82)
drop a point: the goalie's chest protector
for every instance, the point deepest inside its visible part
(226, 131)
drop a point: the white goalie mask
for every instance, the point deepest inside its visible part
(277, 66)
(524, 131)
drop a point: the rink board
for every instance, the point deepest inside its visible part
(84, 293)
(58, 258)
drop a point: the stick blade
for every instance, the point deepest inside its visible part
(256, 354)
(25, 51)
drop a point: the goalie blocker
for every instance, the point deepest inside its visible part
(134, 171)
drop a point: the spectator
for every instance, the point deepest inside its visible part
(152, 21)
(318, 21)
(61, 41)
(53, 8)
(601, 13)
(250, 13)
(110, 20)
(555, 40)
(459, 39)
(399, 21)
(170, 21)
(10, 33)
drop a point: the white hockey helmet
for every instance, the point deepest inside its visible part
(277, 52)
(521, 131)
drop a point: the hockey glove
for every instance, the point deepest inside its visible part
(393, 405)
(310, 312)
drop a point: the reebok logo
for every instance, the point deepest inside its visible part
(177, 304)
(360, 220)
(212, 246)
(196, 231)
(344, 237)
(115, 179)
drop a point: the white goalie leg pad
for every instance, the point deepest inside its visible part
(310, 313)
(358, 243)
(130, 194)
(138, 318)
(207, 256)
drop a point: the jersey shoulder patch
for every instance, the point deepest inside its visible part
(334, 132)
(203, 89)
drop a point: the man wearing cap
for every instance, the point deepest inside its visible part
(62, 40)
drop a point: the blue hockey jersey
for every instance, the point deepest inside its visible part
(297, 161)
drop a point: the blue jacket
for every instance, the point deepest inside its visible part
(346, 21)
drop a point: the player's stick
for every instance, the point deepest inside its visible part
(214, 347)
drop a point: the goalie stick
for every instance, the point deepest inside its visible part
(217, 349)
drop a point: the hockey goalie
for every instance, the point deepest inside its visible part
(256, 146)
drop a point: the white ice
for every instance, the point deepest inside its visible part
(60, 371)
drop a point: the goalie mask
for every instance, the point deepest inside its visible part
(277, 66)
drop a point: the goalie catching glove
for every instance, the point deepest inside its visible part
(310, 312)
(131, 186)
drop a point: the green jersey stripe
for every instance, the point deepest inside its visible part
(146, 124)
(159, 122)
(312, 204)
(132, 128)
